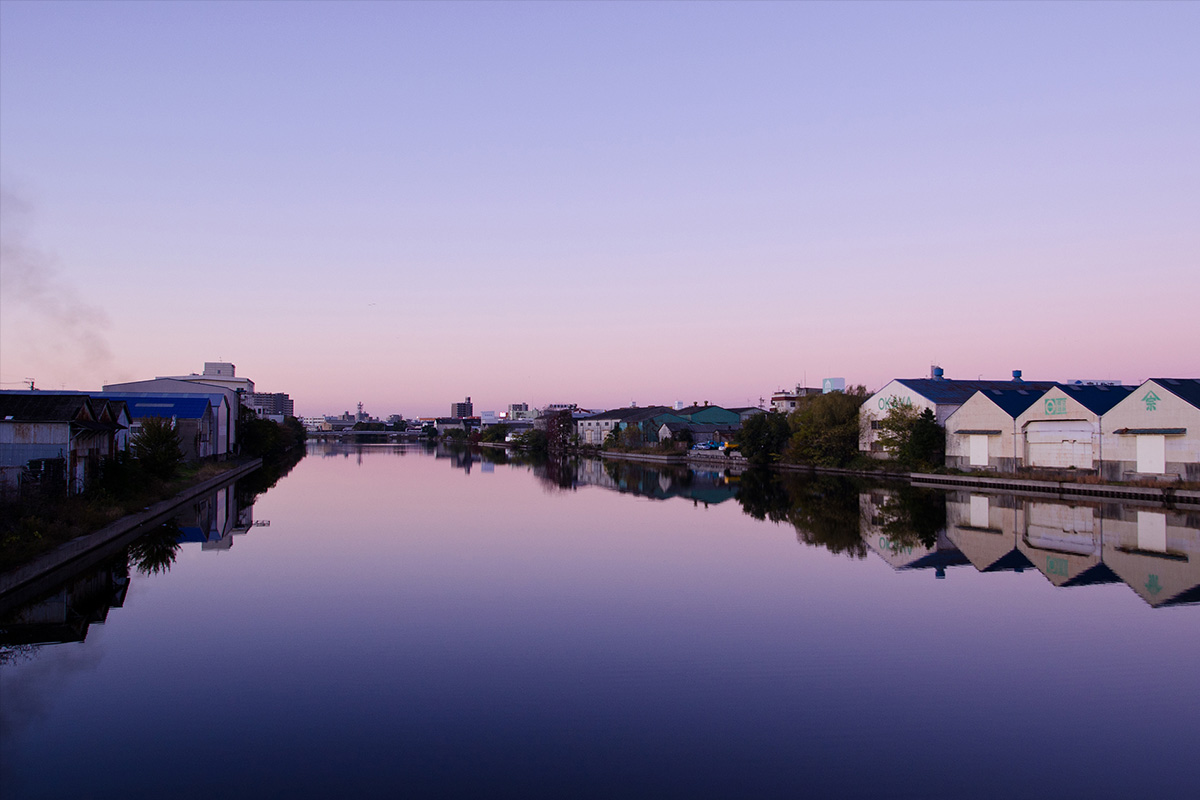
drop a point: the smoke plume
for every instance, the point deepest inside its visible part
(60, 333)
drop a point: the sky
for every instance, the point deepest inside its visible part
(404, 204)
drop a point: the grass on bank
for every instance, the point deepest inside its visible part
(33, 525)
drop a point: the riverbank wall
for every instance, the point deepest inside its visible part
(1165, 494)
(41, 570)
(1062, 489)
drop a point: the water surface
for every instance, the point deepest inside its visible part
(411, 623)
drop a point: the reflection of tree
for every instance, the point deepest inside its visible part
(155, 551)
(495, 455)
(829, 516)
(910, 516)
(762, 496)
(823, 510)
(557, 473)
(249, 487)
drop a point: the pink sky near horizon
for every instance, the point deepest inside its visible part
(407, 204)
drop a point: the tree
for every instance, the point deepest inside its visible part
(763, 437)
(825, 429)
(915, 440)
(928, 442)
(494, 433)
(533, 440)
(631, 435)
(560, 427)
(157, 447)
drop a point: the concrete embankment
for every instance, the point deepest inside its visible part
(40, 573)
(1062, 489)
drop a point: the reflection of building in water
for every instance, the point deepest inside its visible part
(709, 487)
(66, 615)
(1063, 543)
(1152, 549)
(888, 532)
(461, 457)
(1157, 552)
(984, 528)
(212, 520)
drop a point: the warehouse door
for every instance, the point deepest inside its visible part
(1060, 444)
(1152, 453)
(979, 450)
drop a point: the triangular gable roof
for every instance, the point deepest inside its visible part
(110, 411)
(1186, 389)
(1012, 401)
(1097, 399)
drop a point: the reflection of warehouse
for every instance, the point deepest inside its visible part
(66, 615)
(1064, 543)
(1152, 549)
(214, 519)
(984, 529)
(885, 533)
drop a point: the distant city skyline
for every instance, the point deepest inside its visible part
(406, 204)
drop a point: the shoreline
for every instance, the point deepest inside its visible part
(27, 578)
(1165, 495)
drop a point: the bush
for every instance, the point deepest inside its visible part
(157, 447)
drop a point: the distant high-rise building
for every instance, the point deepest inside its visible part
(267, 404)
(462, 410)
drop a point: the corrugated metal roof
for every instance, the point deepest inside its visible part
(42, 407)
(213, 397)
(1187, 389)
(1097, 399)
(163, 405)
(1014, 400)
(954, 392)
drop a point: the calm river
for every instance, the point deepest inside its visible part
(391, 622)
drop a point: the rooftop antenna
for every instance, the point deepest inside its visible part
(32, 388)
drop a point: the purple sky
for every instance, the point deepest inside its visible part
(405, 203)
